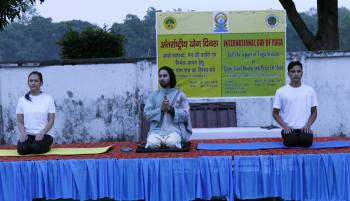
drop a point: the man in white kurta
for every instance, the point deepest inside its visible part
(168, 111)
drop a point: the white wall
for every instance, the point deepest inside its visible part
(330, 78)
(100, 101)
(93, 102)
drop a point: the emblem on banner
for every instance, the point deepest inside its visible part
(169, 23)
(220, 21)
(271, 21)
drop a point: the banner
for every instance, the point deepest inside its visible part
(224, 54)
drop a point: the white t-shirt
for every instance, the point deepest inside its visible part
(295, 104)
(35, 112)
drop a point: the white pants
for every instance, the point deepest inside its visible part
(155, 141)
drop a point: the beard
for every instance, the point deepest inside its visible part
(164, 84)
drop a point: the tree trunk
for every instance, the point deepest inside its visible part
(327, 37)
(328, 29)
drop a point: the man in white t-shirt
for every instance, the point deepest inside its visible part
(295, 108)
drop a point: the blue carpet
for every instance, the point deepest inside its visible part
(269, 145)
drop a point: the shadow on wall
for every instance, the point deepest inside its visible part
(78, 120)
(2, 134)
(9, 128)
(105, 119)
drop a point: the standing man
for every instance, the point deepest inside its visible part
(295, 109)
(168, 111)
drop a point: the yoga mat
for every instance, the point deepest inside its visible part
(186, 146)
(269, 145)
(60, 151)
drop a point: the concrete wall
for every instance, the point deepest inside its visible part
(93, 102)
(97, 102)
(330, 78)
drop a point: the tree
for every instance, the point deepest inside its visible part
(91, 43)
(294, 43)
(36, 39)
(12, 9)
(140, 34)
(344, 28)
(327, 35)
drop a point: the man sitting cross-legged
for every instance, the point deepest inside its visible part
(168, 111)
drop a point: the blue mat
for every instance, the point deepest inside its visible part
(269, 145)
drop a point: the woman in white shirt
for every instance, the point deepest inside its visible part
(35, 117)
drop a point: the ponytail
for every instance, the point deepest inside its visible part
(27, 97)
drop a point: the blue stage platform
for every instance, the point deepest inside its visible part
(293, 175)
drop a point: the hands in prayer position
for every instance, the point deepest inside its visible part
(165, 107)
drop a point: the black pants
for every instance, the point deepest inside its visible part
(31, 146)
(297, 138)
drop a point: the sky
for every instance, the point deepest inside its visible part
(107, 12)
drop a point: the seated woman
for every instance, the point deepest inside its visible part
(35, 117)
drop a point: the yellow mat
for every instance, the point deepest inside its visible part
(60, 151)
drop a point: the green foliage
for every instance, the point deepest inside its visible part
(35, 40)
(294, 42)
(140, 35)
(91, 43)
(344, 28)
(11, 9)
